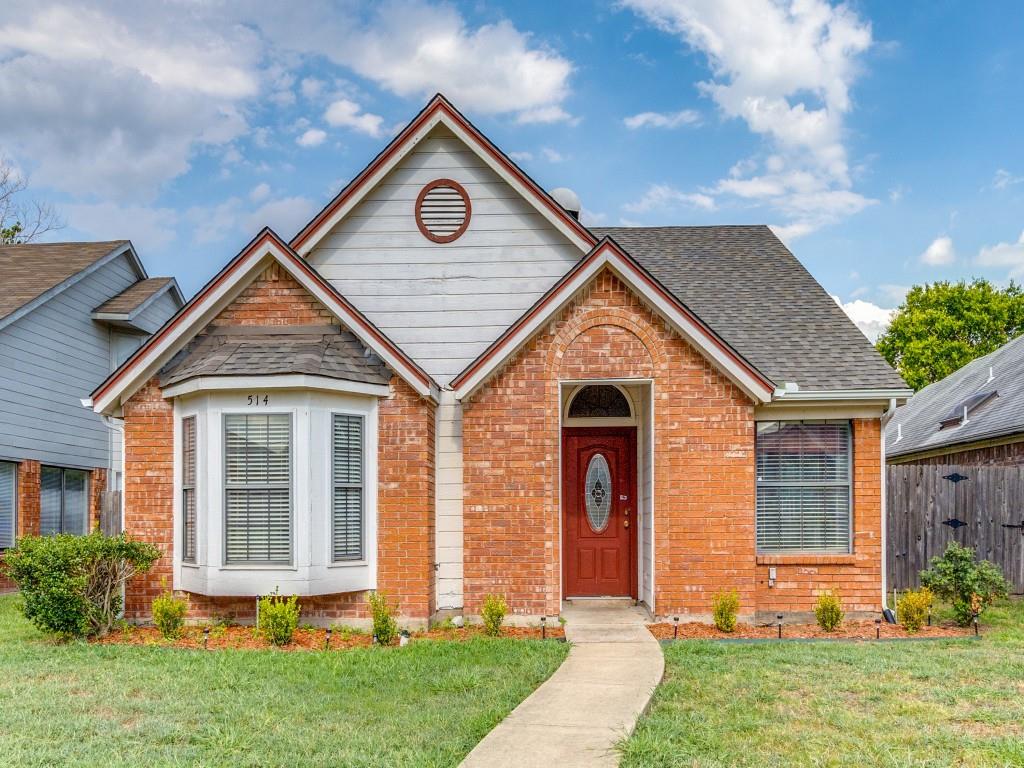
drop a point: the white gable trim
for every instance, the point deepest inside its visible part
(439, 112)
(273, 382)
(606, 255)
(266, 249)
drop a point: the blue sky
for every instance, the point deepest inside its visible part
(881, 140)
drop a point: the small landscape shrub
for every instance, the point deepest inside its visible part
(279, 617)
(913, 608)
(169, 613)
(970, 585)
(726, 606)
(829, 611)
(493, 614)
(71, 585)
(385, 628)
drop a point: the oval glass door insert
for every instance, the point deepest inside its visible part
(597, 492)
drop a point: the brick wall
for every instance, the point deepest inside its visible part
(28, 497)
(857, 576)
(405, 501)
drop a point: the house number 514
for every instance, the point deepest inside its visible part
(256, 400)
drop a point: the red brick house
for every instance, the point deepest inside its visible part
(447, 386)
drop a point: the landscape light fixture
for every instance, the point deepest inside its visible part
(977, 632)
(675, 629)
(543, 627)
(206, 636)
(878, 629)
(327, 639)
(779, 617)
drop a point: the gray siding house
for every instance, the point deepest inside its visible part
(69, 314)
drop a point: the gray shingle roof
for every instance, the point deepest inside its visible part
(28, 271)
(328, 351)
(746, 285)
(918, 420)
(132, 297)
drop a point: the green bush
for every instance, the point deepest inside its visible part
(913, 607)
(970, 585)
(385, 628)
(169, 613)
(71, 585)
(493, 614)
(726, 606)
(829, 611)
(279, 617)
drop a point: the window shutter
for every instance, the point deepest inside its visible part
(8, 484)
(50, 493)
(188, 489)
(257, 471)
(803, 487)
(347, 504)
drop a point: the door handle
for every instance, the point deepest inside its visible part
(625, 523)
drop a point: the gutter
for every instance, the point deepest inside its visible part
(886, 418)
(792, 394)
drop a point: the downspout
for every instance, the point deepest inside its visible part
(886, 418)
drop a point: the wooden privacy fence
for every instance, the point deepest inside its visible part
(110, 512)
(930, 505)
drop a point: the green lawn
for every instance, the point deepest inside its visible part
(424, 705)
(917, 703)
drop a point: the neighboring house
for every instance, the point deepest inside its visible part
(70, 313)
(446, 386)
(956, 468)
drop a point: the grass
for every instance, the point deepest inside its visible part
(835, 704)
(424, 705)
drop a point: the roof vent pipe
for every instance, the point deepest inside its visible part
(991, 374)
(569, 200)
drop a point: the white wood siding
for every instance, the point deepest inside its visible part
(444, 303)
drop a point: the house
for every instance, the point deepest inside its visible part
(70, 313)
(956, 468)
(447, 386)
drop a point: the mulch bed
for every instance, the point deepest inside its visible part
(246, 637)
(850, 630)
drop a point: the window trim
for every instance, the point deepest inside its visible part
(15, 466)
(63, 498)
(362, 558)
(227, 563)
(848, 484)
(193, 487)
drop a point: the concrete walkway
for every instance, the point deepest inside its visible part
(592, 700)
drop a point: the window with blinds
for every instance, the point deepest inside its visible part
(63, 501)
(188, 489)
(257, 488)
(803, 487)
(347, 486)
(8, 503)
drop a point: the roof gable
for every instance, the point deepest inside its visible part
(440, 112)
(608, 255)
(206, 305)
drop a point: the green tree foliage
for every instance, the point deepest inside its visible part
(941, 327)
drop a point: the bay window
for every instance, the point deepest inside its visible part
(804, 487)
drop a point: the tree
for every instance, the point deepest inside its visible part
(941, 327)
(22, 220)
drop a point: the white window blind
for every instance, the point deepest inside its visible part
(8, 501)
(63, 501)
(188, 489)
(347, 473)
(257, 474)
(803, 487)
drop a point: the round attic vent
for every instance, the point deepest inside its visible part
(443, 210)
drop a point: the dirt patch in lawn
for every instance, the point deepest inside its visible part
(244, 637)
(850, 630)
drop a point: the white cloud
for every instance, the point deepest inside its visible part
(313, 137)
(260, 192)
(552, 155)
(662, 119)
(521, 157)
(870, 318)
(284, 216)
(311, 87)
(666, 197)
(345, 113)
(1004, 179)
(545, 115)
(233, 218)
(1007, 255)
(149, 229)
(786, 71)
(940, 253)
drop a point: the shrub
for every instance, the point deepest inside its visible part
(279, 617)
(970, 585)
(71, 585)
(913, 608)
(726, 606)
(493, 614)
(385, 628)
(829, 611)
(169, 613)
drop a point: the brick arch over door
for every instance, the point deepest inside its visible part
(704, 465)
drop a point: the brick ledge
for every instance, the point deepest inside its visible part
(809, 559)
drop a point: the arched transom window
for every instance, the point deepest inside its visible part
(599, 401)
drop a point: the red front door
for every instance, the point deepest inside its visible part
(599, 532)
